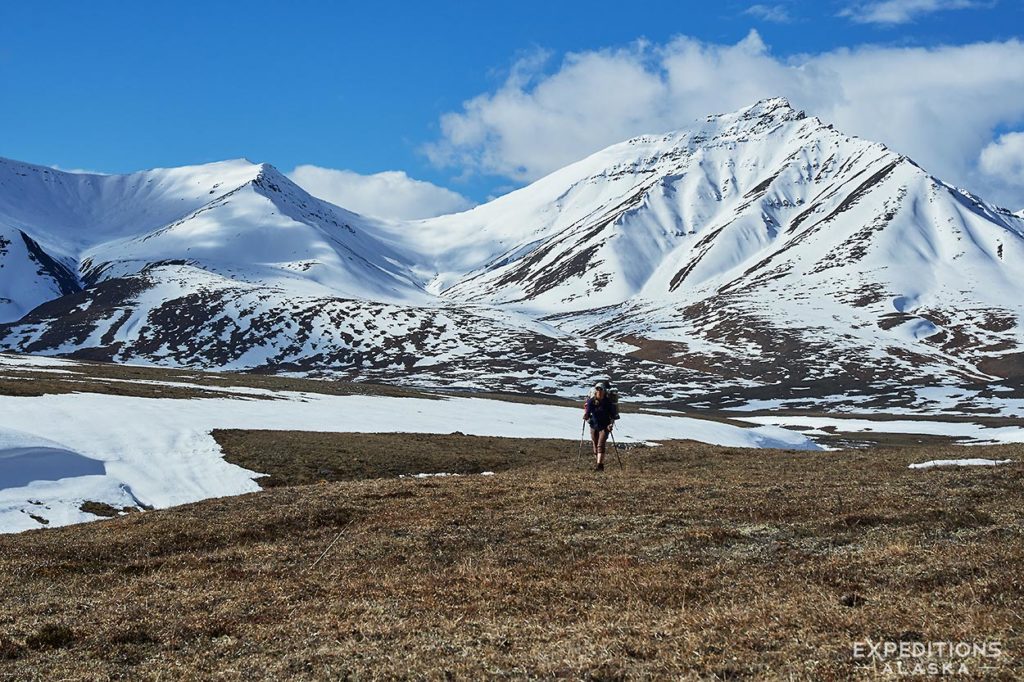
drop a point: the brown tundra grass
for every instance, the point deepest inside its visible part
(707, 562)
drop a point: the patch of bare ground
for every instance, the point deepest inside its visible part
(303, 457)
(694, 561)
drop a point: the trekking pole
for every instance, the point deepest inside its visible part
(579, 455)
(640, 466)
(615, 445)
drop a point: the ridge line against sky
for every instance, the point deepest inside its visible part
(408, 111)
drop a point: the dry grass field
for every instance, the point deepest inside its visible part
(693, 561)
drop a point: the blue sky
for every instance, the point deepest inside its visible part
(382, 86)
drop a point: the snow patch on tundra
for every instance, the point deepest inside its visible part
(159, 452)
(974, 462)
(975, 434)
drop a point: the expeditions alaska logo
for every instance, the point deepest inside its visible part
(899, 658)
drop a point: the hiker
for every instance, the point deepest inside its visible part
(600, 412)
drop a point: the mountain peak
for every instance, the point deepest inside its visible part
(269, 178)
(268, 170)
(776, 109)
(762, 116)
(778, 102)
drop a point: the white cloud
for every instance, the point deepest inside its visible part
(1003, 159)
(893, 12)
(775, 13)
(391, 194)
(939, 105)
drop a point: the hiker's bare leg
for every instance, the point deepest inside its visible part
(600, 440)
(594, 437)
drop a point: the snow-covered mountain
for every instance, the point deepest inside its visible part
(759, 251)
(231, 265)
(236, 219)
(683, 215)
(762, 243)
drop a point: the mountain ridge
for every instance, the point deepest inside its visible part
(759, 247)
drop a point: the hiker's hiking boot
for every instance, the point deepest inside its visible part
(599, 467)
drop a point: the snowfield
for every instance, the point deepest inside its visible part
(127, 451)
(976, 434)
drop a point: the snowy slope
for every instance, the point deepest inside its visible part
(244, 220)
(764, 242)
(762, 194)
(70, 211)
(29, 276)
(602, 226)
(270, 232)
(760, 250)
